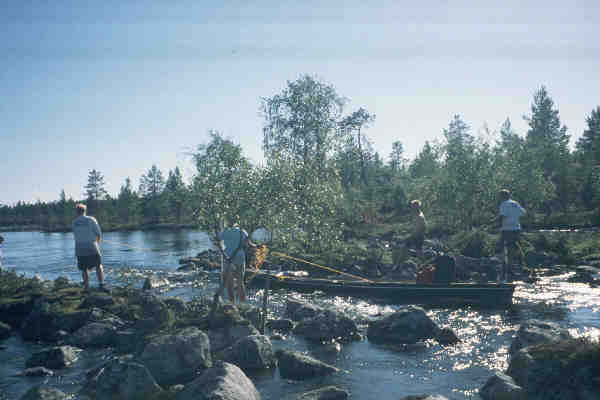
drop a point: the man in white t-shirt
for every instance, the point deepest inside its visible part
(510, 213)
(87, 234)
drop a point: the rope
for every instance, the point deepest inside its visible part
(321, 266)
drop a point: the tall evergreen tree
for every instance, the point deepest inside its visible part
(126, 202)
(151, 189)
(176, 193)
(95, 192)
(547, 142)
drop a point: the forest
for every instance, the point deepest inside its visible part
(321, 177)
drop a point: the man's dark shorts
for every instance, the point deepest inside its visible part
(510, 238)
(415, 241)
(89, 262)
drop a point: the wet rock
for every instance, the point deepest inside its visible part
(177, 358)
(5, 331)
(175, 304)
(223, 381)
(254, 315)
(61, 282)
(36, 371)
(97, 299)
(325, 393)
(446, 336)
(534, 331)
(282, 325)
(425, 397)
(224, 337)
(294, 365)
(54, 357)
(326, 325)
(502, 387)
(120, 379)
(520, 367)
(408, 325)
(154, 282)
(156, 314)
(298, 310)
(96, 334)
(251, 353)
(43, 392)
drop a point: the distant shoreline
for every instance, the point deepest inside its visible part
(109, 228)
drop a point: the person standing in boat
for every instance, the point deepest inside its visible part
(417, 238)
(234, 241)
(509, 216)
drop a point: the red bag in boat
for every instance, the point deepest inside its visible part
(425, 275)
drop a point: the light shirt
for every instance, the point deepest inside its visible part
(85, 231)
(231, 239)
(511, 211)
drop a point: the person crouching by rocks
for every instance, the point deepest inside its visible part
(87, 234)
(418, 236)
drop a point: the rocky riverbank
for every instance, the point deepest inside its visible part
(166, 348)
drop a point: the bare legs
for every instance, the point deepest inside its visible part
(86, 276)
(229, 281)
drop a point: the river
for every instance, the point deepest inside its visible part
(368, 371)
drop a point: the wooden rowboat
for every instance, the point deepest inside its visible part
(488, 294)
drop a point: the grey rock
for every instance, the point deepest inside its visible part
(120, 379)
(42, 392)
(299, 311)
(54, 357)
(97, 334)
(223, 381)
(520, 367)
(36, 371)
(177, 358)
(61, 282)
(253, 352)
(224, 337)
(534, 332)
(154, 282)
(446, 336)
(408, 325)
(326, 325)
(294, 365)
(425, 397)
(325, 393)
(502, 387)
(282, 325)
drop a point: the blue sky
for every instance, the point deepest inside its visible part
(118, 86)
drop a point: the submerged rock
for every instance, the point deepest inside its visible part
(43, 392)
(54, 357)
(408, 325)
(325, 393)
(534, 332)
(294, 365)
(326, 325)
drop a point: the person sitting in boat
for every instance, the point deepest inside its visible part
(417, 238)
(234, 242)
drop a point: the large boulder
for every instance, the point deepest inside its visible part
(534, 332)
(179, 357)
(98, 334)
(250, 353)
(326, 325)
(223, 381)
(42, 392)
(281, 325)
(295, 365)
(226, 336)
(408, 325)
(567, 369)
(121, 379)
(54, 357)
(325, 393)
(502, 387)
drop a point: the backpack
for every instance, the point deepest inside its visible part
(445, 269)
